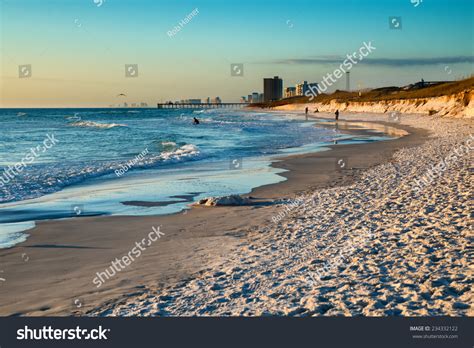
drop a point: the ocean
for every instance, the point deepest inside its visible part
(59, 163)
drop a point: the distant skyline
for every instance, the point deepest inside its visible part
(78, 49)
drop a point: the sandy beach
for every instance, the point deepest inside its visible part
(358, 240)
(248, 174)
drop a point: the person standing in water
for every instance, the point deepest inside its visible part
(337, 114)
(306, 113)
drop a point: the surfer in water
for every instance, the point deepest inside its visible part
(195, 121)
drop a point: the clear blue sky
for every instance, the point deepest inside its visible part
(78, 50)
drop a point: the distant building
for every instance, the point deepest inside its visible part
(313, 88)
(249, 98)
(243, 99)
(207, 100)
(423, 84)
(216, 100)
(303, 88)
(190, 101)
(125, 105)
(272, 88)
(289, 92)
(260, 98)
(143, 105)
(255, 97)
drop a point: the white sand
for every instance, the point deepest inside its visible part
(390, 250)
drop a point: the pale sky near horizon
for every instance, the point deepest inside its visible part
(78, 49)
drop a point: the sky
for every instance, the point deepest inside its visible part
(76, 50)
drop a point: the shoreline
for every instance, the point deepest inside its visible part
(379, 246)
(298, 167)
(195, 240)
(354, 130)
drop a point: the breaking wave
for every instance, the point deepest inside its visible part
(97, 124)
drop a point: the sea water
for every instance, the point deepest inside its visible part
(132, 161)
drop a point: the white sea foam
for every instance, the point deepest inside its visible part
(12, 233)
(97, 125)
(168, 143)
(45, 180)
(73, 118)
(185, 151)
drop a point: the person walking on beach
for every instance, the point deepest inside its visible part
(337, 114)
(306, 113)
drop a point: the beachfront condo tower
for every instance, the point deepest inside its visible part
(272, 89)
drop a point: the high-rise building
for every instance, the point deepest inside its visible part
(303, 88)
(255, 97)
(272, 88)
(249, 98)
(289, 92)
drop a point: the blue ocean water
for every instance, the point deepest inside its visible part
(101, 158)
(93, 143)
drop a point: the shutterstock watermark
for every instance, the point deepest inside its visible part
(126, 167)
(177, 28)
(13, 170)
(126, 260)
(342, 257)
(48, 333)
(331, 78)
(131, 70)
(237, 69)
(236, 163)
(438, 170)
(99, 3)
(292, 204)
(24, 71)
